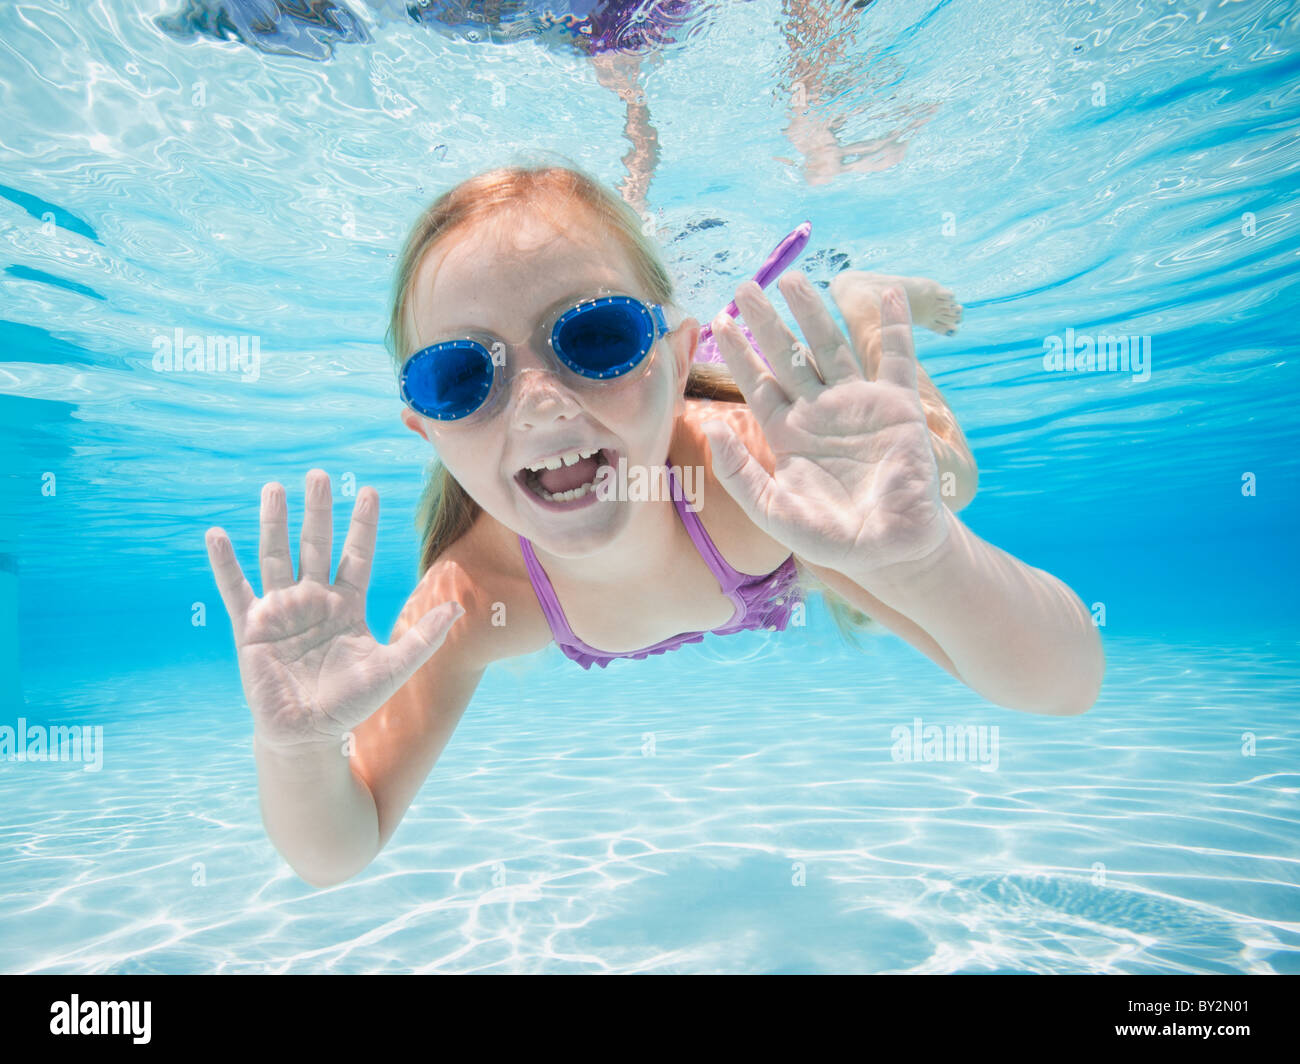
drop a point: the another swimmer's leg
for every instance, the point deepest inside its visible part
(620, 72)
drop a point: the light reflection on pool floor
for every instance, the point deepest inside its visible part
(682, 815)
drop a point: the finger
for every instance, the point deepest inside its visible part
(763, 394)
(739, 472)
(897, 355)
(316, 540)
(786, 355)
(273, 546)
(418, 643)
(864, 326)
(359, 547)
(236, 592)
(830, 349)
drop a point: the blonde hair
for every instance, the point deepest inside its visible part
(446, 511)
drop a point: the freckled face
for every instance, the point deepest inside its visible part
(502, 279)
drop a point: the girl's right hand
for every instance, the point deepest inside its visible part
(310, 667)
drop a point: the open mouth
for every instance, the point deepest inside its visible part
(567, 486)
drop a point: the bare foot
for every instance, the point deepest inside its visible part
(933, 306)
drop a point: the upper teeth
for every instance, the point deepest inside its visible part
(562, 459)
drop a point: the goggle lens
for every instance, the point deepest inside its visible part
(449, 380)
(604, 339)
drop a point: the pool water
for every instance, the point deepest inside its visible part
(764, 802)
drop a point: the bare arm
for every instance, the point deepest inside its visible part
(338, 808)
(318, 814)
(330, 814)
(1013, 633)
(344, 727)
(398, 747)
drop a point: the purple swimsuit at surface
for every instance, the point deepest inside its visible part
(591, 26)
(761, 601)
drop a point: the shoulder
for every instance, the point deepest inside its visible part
(480, 571)
(737, 416)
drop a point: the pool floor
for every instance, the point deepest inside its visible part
(686, 814)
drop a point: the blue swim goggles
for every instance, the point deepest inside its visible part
(602, 337)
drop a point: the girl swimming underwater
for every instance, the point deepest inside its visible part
(538, 342)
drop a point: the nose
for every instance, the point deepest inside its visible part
(539, 396)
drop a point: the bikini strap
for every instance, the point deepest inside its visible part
(728, 578)
(546, 595)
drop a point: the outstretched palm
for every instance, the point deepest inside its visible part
(311, 669)
(855, 486)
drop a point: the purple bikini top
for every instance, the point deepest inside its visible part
(761, 601)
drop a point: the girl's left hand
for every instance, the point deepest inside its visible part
(855, 486)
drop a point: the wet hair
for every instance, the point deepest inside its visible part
(446, 510)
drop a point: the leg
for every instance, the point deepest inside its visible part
(857, 294)
(620, 72)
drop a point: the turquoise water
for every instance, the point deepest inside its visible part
(739, 805)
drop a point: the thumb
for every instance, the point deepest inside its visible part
(418, 643)
(738, 471)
